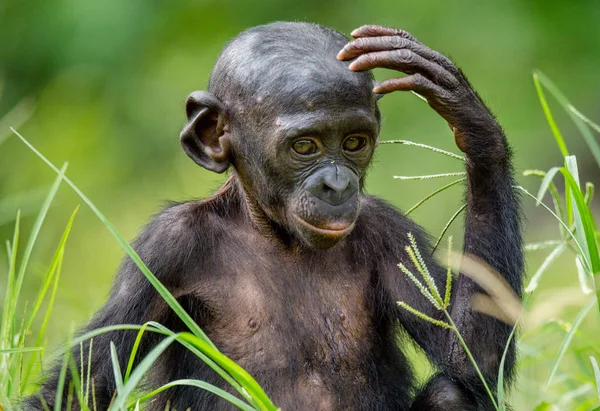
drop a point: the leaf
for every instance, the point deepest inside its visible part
(535, 279)
(35, 231)
(553, 127)
(585, 228)
(560, 221)
(581, 122)
(596, 374)
(584, 279)
(114, 358)
(545, 184)
(53, 272)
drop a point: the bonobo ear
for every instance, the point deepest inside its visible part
(205, 137)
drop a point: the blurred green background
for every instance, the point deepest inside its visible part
(104, 83)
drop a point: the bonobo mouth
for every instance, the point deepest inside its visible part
(333, 231)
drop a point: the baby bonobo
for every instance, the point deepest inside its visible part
(290, 268)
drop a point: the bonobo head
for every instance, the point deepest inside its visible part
(296, 124)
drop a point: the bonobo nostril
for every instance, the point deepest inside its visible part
(333, 184)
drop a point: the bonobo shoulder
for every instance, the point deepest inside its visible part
(177, 244)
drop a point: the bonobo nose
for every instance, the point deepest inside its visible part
(334, 184)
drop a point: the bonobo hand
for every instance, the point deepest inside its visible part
(431, 75)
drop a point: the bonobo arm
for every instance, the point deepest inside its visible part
(169, 248)
(492, 223)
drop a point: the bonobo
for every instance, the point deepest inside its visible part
(290, 268)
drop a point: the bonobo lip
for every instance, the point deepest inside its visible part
(333, 231)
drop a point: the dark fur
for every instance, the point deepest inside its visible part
(317, 328)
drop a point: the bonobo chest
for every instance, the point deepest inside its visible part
(302, 313)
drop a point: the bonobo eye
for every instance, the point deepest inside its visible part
(354, 143)
(305, 147)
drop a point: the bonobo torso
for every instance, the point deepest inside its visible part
(304, 322)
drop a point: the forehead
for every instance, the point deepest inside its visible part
(310, 90)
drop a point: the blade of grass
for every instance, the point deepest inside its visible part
(134, 350)
(583, 276)
(561, 222)
(546, 183)
(554, 254)
(6, 326)
(50, 273)
(500, 385)
(447, 226)
(555, 198)
(76, 384)
(433, 194)
(54, 272)
(424, 146)
(555, 131)
(20, 350)
(114, 358)
(542, 245)
(237, 372)
(158, 328)
(430, 176)
(200, 384)
(62, 376)
(212, 364)
(123, 391)
(596, 374)
(568, 338)
(12, 263)
(580, 123)
(35, 231)
(589, 122)
(585, 228)
(89, 373)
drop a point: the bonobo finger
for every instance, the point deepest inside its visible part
(414, 82)
(364, 45)
(405, 61)
(369, 44)
(372, 30)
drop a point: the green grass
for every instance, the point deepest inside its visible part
(561, 376)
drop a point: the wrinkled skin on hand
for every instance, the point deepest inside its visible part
(429, 73)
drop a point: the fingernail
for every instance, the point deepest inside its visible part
(354, 33)
(376, 90)
(340, 55)
(352, 66)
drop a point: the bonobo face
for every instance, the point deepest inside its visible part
(305, 153)
(320, 159)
